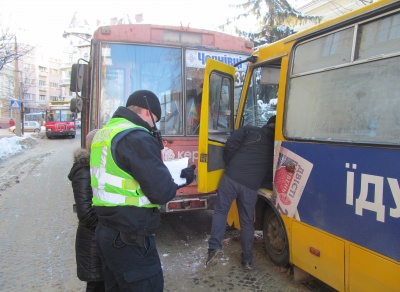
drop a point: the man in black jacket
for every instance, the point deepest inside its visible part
(130, 181)
(248, 157)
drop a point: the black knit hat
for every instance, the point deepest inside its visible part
(139, 97)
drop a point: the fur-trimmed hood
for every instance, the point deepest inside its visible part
(81, 155)
(81, 160)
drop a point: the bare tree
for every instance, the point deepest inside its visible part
(10, 50)
(275, 17)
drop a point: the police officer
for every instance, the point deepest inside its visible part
(130, 181)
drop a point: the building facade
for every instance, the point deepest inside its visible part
(38, 82)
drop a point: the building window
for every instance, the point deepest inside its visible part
(42, 97)
(42, 83)
(27, 96)
(29, 81)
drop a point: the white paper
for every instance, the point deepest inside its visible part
(175, 167)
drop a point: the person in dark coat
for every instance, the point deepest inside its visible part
(88, 260)
(248, 156)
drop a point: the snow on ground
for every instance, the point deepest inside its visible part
(10, 146)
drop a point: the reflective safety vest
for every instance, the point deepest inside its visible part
(111, 185)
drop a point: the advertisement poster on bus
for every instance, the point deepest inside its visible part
(198, 58)
(291, 176)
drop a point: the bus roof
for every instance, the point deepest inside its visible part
(173, 35)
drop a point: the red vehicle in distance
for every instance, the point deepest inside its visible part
(60, 121)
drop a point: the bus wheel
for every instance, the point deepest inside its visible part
(275, 238)
(73, 136)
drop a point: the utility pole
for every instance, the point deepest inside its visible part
(16, 91)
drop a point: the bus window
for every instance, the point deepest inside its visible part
(333, 49)
(38, 117)
(220, 118)
(343, 103)
(50, 117)
(126, 68)
(193, 108)
(261, 98)
(379, 37)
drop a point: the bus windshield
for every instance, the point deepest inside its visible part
(60, 116)
(125, 68)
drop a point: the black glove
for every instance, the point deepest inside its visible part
(188, 173)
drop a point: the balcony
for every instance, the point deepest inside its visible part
(64, 82)
(43, 88)
(43, 73)
(66, 66)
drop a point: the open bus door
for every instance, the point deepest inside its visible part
(216, 125)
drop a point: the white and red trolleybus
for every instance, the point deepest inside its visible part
(60, 121)
(170, 62)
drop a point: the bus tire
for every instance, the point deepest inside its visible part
(73, 136)
(275, 238)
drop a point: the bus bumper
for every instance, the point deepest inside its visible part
(204, 202)
(51, 134)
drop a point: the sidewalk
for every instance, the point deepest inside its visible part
(4, 132)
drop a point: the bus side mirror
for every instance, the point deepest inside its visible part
(80, 79)
(76, 105)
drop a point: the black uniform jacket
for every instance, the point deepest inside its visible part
(249, 155)
(87, 259)
(138, 153)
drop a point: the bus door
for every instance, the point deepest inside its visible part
(216, 123)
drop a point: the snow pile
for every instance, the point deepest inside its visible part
(13, 145)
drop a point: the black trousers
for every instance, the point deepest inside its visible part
(128, 267)
(93, 286)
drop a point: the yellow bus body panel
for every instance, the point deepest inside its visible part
(329, 265)
(208, 181)
(369, 271)
(343, 265)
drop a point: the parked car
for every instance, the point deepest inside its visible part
(30, 126)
